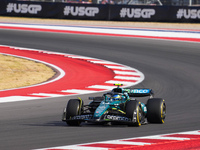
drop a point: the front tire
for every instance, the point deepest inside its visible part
(156, 110)
(134, 111)
(73, 108)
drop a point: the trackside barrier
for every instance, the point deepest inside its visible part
(100, 11)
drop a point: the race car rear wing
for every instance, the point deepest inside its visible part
(139, 92)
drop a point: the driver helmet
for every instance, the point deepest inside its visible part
(116, 97)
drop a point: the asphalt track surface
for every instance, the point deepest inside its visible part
(171, 69)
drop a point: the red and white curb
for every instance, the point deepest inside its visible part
(151, 33)
(122, 74)
(114, 73)
(176, 141)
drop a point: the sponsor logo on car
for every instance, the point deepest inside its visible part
(140, 91)
(82, 117)
(117, 118)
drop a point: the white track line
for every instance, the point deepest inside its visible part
(94, 145)
(78, 91)
(110, 30)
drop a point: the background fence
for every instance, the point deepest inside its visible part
(94, 11)
(129, 2)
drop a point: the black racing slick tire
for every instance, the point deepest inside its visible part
(156, 110)
(134, 112)
(73, 108)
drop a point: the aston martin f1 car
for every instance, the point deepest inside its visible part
(117, 106)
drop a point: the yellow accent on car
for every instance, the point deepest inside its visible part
(138, 117)
(122, 111)
(118, 84)
(162, 111)
(81, 102)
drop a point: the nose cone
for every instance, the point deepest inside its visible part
(100, 110)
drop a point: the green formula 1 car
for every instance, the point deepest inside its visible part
(117, 106)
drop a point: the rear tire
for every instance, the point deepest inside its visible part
(134, 111)
(156, 110)
(73, 109)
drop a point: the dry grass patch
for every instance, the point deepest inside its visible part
(18, 72)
